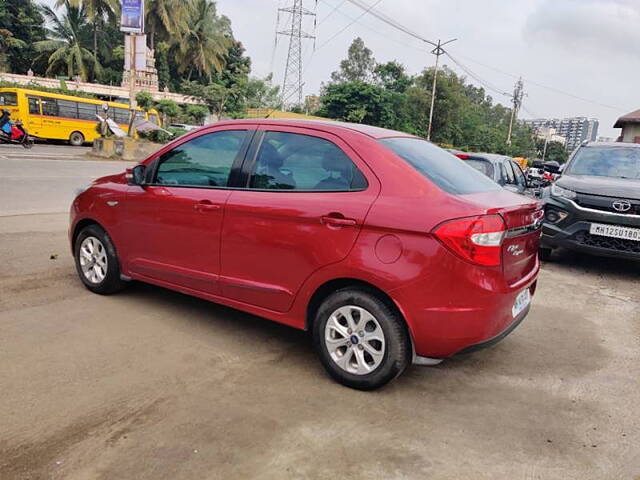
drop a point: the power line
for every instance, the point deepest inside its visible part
(388, 20)
(348, 25)
(477, 78)
(331, 12)
(541, 85)
(377, 32)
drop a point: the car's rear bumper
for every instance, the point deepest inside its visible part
(465, 313)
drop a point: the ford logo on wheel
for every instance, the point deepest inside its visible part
(621, 205)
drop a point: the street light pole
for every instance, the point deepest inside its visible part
(437, 51)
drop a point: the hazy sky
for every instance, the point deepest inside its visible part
(588, 48)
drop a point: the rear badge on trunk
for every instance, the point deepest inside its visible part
(515, 250)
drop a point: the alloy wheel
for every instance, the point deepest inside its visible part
(93, 260)
(355, 340)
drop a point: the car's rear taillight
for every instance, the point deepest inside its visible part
(475, 239)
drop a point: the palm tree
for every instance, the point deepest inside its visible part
(98, 11)
(68, 37)
(205, 42)
(167, 18)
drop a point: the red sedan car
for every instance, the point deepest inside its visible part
(386, 247)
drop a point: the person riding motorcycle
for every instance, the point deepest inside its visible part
(13, 132)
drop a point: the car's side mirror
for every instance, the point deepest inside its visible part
(136, 175)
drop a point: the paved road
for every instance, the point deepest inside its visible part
(45, 178)
(151, 384)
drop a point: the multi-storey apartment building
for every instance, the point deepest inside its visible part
(575, 130)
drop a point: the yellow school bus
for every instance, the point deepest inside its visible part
(63, 117)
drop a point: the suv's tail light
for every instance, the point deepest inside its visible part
(475, 239)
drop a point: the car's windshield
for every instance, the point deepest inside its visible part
(441, 167)
(619, 162)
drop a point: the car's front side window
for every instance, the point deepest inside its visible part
(291, 161)
(204, 161)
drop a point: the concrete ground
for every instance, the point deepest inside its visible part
(152, 384)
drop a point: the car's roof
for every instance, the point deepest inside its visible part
(326, 125)
(611, 144)
(492, 157)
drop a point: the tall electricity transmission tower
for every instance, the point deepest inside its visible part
(292, 82)
(518, 94)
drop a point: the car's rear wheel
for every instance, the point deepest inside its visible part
(76, 139)
(97, 262)
(362, 342)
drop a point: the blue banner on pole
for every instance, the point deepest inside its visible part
(132, 20)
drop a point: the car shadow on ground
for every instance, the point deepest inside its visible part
(580, 263)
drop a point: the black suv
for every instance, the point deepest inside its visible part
(594, 207)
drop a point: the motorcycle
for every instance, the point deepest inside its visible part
(14, 133)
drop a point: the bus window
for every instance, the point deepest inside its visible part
(8, 98)
(120, 115)
(49, 106)
(153, 118)
(34, 105)
(68, 109)
(87, 111)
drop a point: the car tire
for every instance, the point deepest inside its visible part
(96, 261)
(76, 139)
(364, 356)
(545, 254)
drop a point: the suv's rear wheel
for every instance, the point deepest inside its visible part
(97, 262)
(361, 341)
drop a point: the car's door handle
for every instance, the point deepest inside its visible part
(338, 221)
(206, 206)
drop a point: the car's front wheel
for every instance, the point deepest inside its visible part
(362, 342)
(97, 262)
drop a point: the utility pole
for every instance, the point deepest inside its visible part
(132, 82)
(292, 82)
(437, 51)
(518, 94)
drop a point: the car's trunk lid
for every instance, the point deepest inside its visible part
(523, 218)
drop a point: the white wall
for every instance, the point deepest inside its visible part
(629, 132)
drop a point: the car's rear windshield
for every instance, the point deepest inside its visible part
(483, 166)
(618, 162)
(441, 167)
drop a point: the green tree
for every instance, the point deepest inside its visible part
(167, 19)
(358, 66)
(145, 100)
(392, 76)
(196, 114)
(98, 13)
(555, 151)
(168, 109)
(67, 45)
(21, 25)
(205, 42)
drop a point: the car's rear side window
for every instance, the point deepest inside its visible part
(447, 171)
(292, 161)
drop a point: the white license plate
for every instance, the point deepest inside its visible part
(615, 231)
(522, 301)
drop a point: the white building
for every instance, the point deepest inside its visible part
(630, 125)
(575, 130)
